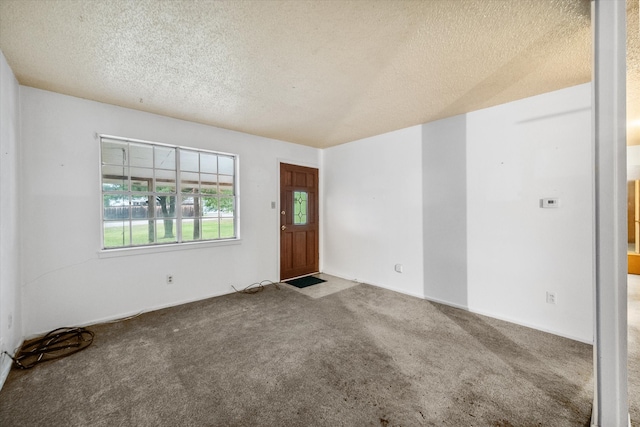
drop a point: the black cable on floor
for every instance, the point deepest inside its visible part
(254, 288)
(58, 343)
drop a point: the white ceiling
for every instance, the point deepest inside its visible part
(318, 73)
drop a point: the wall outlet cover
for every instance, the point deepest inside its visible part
(550, 202)
(551, 297)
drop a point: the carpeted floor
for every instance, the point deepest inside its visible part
(363, 356)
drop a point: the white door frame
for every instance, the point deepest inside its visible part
(610, 404)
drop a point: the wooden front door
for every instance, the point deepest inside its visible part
(298, 221)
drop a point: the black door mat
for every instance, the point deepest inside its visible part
(303, 282)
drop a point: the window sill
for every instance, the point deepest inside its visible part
(144, 250)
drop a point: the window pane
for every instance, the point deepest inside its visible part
(227, 229)
(140, 155)
(115, 207)
(186, 205)
(115, 178)
(299, 207)
(141, 179)
(226, 185)
(188, 161)
(140, 185)
(190, 229)
(166, 231)
(209, 183)
(165, 181)
(116, 234)
(143, 232)
(197, 206)
(165, 157)
(225, 165)
(210, 229)
(165, 207)
(141, 208)
(210, 206)
(114, 152)
(189, 182)
(226, 206)
(141, 173)
(208, 163)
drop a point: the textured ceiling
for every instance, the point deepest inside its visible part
(318, 73)
(633, 72)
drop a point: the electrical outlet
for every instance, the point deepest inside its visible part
(10, 321)
(550, 202)
(169, 279)
(551, 297)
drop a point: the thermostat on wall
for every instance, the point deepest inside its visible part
(549, 202)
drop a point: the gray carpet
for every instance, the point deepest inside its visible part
(364, 356)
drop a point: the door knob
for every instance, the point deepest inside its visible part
(284, 227)
(282, 213)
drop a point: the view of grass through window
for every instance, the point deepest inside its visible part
(157, 194)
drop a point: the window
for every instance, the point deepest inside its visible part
(156, 194)
(299, 207)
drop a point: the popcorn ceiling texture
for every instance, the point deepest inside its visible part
(633, 71)
(318, 73)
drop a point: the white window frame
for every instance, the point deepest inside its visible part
(179, 243)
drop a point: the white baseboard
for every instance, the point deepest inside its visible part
(377, 285)
(125, 315)
(398, 290)
(531, 325)
(450, 304)
(511, 320)
(470, 310)
(5, 367)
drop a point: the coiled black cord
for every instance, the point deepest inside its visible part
(58, 343)
(256, 287)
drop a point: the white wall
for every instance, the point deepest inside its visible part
(388, 199)
(65, 282)
(445, 210)
(457, 202)
(10, 307)
(372, 210)
(517, 154)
